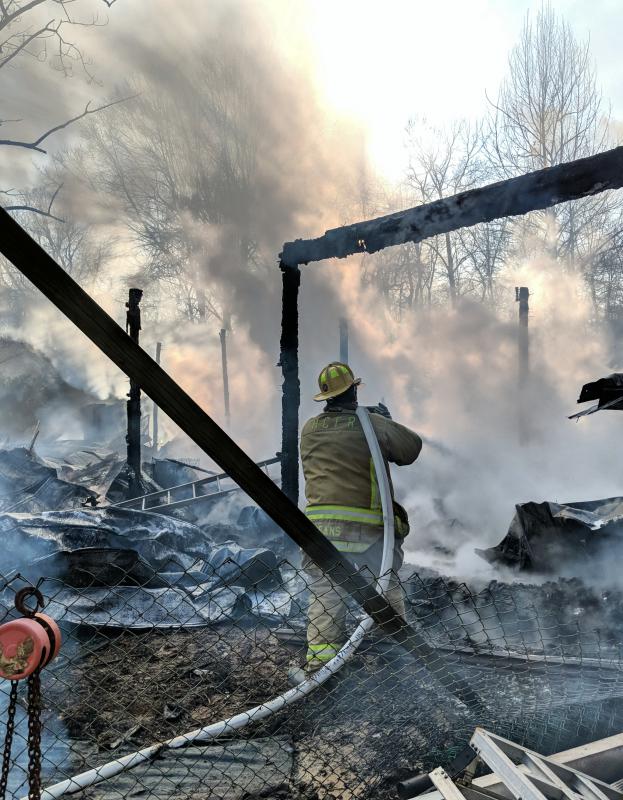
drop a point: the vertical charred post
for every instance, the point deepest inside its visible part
(154, 418)
(133, 437)
(522, 296)
(343, 340)
(223, 337)
(291, 387)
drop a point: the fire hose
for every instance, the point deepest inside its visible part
(216, 729)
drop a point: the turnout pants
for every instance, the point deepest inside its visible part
(326, 631)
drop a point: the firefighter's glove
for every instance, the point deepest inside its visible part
(381, 409)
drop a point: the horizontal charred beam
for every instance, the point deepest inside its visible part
(531, 192)
(33, 262)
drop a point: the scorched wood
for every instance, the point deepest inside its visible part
(531, 192)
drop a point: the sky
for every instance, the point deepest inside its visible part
(379, 64)
(387, 62)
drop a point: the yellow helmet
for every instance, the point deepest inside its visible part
(335, 379)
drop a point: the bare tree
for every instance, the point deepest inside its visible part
(71, 244)
(487, 249)
(549, 110)
(404, 276)
(39, 30)
(442, 163)
(184, 164)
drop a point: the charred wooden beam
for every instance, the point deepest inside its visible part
(531, 192)
(154, 417)
(133, 436)
(33, 262)
(291, 387)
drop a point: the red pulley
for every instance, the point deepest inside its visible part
(29, 643)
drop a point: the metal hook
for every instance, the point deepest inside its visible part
(21, 597)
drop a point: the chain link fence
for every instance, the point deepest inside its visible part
(149, 656)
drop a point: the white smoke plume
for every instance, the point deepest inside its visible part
(451, 374)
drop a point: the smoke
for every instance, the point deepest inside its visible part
(224, 102)
(452, 374)
(253, 159)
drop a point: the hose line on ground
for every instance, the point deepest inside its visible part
(216, 729)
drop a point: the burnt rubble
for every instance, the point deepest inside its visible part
(555, 538)
(94, 557)
(607, 391)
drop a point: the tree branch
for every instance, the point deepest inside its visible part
(34, 209)
(35, 145)
(7, 19)
(25, 42)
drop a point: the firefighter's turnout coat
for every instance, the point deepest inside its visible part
(341, 486)
(344, 502)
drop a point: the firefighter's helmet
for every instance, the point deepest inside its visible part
(335, 379)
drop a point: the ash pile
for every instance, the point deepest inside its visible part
(53, 527)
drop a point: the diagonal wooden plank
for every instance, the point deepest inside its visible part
(60, 288)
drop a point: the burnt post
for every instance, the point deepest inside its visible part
(343, 340)
(522, 296)
(133, 437)
(223, 338)
(291, 396)
(154, 417)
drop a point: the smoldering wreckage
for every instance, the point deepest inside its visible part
(181, 603)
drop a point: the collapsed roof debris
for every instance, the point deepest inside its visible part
(548, 537)
(114, 567)
(28, 483)
(607, 391)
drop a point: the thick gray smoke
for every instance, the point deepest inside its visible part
(450, 374)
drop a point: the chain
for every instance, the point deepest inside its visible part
(8, 739)
(34, 712)
(34, 736)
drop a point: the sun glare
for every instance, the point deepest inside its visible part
(384, 63)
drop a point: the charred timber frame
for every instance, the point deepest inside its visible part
(291, 387)
(223, 338)
(509, 198)
(33, 262)
(133, 436)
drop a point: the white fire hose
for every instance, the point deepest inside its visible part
(216, 729)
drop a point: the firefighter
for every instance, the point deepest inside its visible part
(343, 501)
